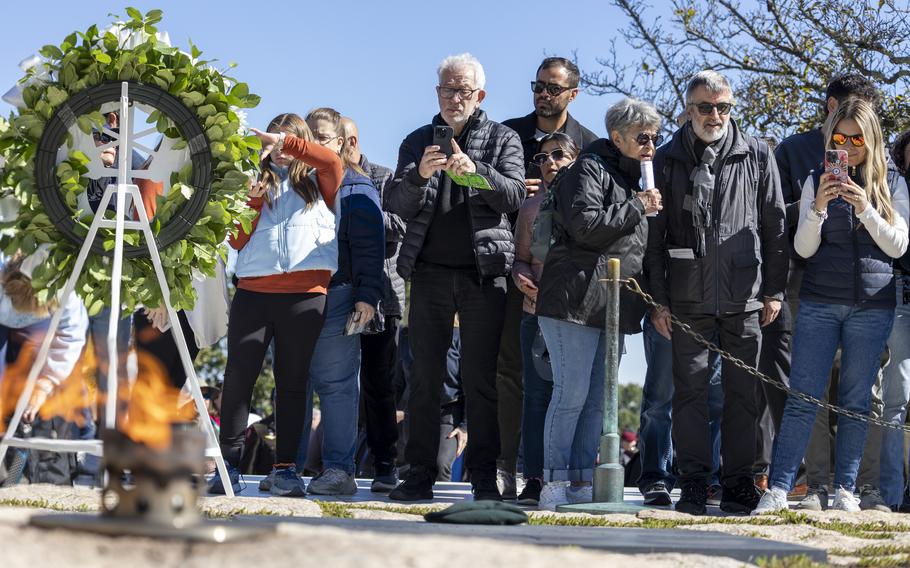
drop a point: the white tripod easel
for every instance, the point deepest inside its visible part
(120, 224)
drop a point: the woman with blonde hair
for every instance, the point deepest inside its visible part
(850, 230)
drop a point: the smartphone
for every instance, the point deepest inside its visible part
(836, 164)
(354, 325)
(442, 137)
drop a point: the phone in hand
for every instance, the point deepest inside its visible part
(836, 164)
(354, 325)
(527, 281)
(442, 137)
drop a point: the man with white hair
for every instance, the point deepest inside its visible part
(717, 259)
(457, 253)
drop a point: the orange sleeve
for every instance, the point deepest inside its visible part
(243, 237)
(327, 164)
(149, 190)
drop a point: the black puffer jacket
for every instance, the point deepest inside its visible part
(746, 255)
(597, 217)
(496, 151)
(393, 298)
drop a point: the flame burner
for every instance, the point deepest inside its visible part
(159, 501)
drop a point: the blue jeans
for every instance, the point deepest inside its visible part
(537, 393)
(575, 415)
(895, 392)
(98, 326)
(655, 441)
(820, 328)
(334, 376)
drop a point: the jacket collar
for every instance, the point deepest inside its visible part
(677, 144)
(526, 127)
(606, 149)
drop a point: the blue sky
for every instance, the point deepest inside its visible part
(373, 61)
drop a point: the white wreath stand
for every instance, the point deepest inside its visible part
(120, 224)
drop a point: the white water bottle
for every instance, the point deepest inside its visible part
(647, 179)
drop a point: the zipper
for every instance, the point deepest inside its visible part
(856, 266)
(467, 206)
(715, 213)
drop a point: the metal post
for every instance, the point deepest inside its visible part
(609, 475)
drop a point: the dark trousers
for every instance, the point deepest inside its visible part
(378, 354)
(163, 347)
(740, 335)
(437, 294)
(509, 386)
(448, 447)
(774, 362)
(294, 321)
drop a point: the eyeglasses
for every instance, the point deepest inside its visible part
(858, 140)
(450, 92)
(104, 137)
(541, 158)
(643, 139)
(552, 89)
(705, 109)
(322, 141)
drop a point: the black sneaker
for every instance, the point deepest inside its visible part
(657, 495)
(216, 487)
(385, 478)
(484, 488)
(417, 486)
(715, 495)
(742, 498)
(693, 499)
(530, 495)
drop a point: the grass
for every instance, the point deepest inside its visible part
(45, 504)
(333, 509)
(788, 562)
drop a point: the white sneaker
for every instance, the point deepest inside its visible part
(552, 495)
(580, 494)
(845, 501)
(772, 501)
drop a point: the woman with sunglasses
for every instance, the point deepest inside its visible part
(600, 214)
(850, 230)
(556, 151)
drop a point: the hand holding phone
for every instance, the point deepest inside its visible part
(442, 137)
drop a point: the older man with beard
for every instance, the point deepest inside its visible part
(717, 258)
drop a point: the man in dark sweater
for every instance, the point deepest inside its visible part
(554, 88)
(456, 252)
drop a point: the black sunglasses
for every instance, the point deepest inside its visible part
(542, 157)
(552, 89)
(705, 109)
(643, 139)
(104, 137)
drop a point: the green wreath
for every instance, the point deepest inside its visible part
(222, 157)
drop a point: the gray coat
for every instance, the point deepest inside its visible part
(746, 257)
(496, 151)
(393, 283)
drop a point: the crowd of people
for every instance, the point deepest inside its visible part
(503, 231)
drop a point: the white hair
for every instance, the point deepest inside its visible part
(713, 81)
(631, 112)
(461, 61)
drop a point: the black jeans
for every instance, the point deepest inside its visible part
(163, 346)
(294, 321)
(739, 334)
(437, 294)
(774, 362)
(378, 354)
(509, 385)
